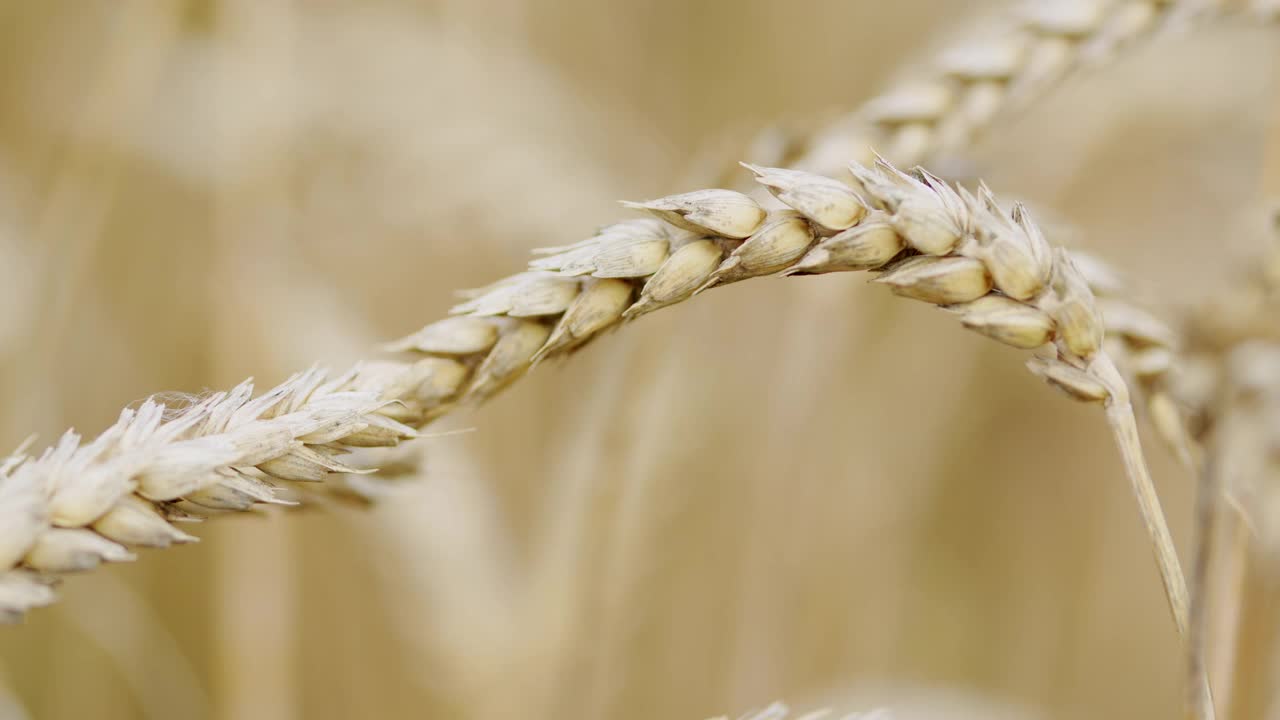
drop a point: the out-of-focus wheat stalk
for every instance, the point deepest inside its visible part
(1233, 386)
(994, 71)
(1242, 470)
(779, 711)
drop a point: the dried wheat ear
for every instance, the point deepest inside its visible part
(1229, 384)
(77, 505)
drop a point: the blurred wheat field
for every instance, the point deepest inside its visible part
(805, 491)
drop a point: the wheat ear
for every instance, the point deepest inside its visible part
(955, 249)
(79, 504)
(1023, 54)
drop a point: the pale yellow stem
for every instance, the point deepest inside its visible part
(1124, 428)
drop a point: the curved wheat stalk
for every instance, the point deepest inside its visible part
(952, 248)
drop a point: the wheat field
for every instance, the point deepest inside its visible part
(798, 490)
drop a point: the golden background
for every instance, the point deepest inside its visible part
(800, 490)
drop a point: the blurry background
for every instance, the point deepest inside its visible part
(801, 490)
